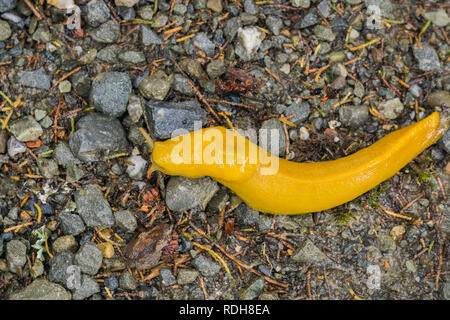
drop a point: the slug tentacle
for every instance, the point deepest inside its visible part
(273, 185)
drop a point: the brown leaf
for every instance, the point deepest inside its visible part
(144, 250)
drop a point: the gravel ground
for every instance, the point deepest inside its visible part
(80, 219)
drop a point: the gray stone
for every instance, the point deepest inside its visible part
(324, 8)
(127, 281)
(249, 41)
(385, 242)
(60, 267)
(89, 258)
(202, 42)
(107, 32)
(48, 167)
(168, 279)
(3, 140)
(35, 79)
(132, 57)
(5, 30)
(427, 58)
(274, 24)
(323, 33)
(134, 108)
(166, 117)
(353, 116)
(253, 291)
(194, 69)
(73, 172)
(250, 7)
(246, 216)
(156, 86)
(97, 12)
(216, 68)
(186, 276)
(184, 193)
(15, 147)
(272, 127)
(439, 98)
(6, 5)
(63, 155)
(359, 90)
(438, 17)
(391, 109)
(137, 170)
(300, 110)
(93, 207)
(110, 93)
(88, 287)
(148, 36)
(232, 27)
(125, 220)
(308, 20)
(218, 202)
(207, 267)
(81, 83)
(109, 53)
(16, 255)
(445, 141)
(215, 5)
(41, 289)
(8, 187)
(26, 129)
(308, 253)
(65, 243)
(88, 57)
(71, 224)
(301, 3)
(97, 137)
(180, 85)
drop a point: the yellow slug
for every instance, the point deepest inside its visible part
(273, 185)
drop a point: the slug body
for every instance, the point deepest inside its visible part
(273, 185)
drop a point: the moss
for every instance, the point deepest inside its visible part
(374, 196)
(344, 217)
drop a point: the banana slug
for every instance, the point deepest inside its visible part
(277, 186)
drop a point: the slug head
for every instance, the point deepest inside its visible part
(216, 152)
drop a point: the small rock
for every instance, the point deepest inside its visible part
(427, 58)
(309, 253)
(37, 269)
(26, 129)
(97, 136)
(127, 281)
(3, 141)
(15, 147)
(137, 170)
(48, 167)
(93, 207)
(253, 290)
(215, 5)
(88, 287)
(300, 110)
(35, 79)
(182, 86)
(168, 279)
(194, 69)
(107, 32)
(323, 33)
(166, 117)
(185, 193)
(125, 220)
(88, 57)
(353, 116)
(126, 3)
(391, 109)
(397, 232)
(439, 17)
(63, 155)
(61, 268)
(5, 30)
(156, 86)
(16, 253)
(304, 133)
(148, 36)
(132, 57)
(71, 224)
(41, 289)
(110, 93)
(186, 276)
(207, 267)
(301, 3)
(81, 83)
(385, 242)
(6, 5)
(324, 8)
(202, 42)
(111, 283)
(97, 12)
(247, 216)
(68, 243)
(134, 108)
(107, 249)
(216, 68)
(89, 258)
(439, 98)
(250, 39)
